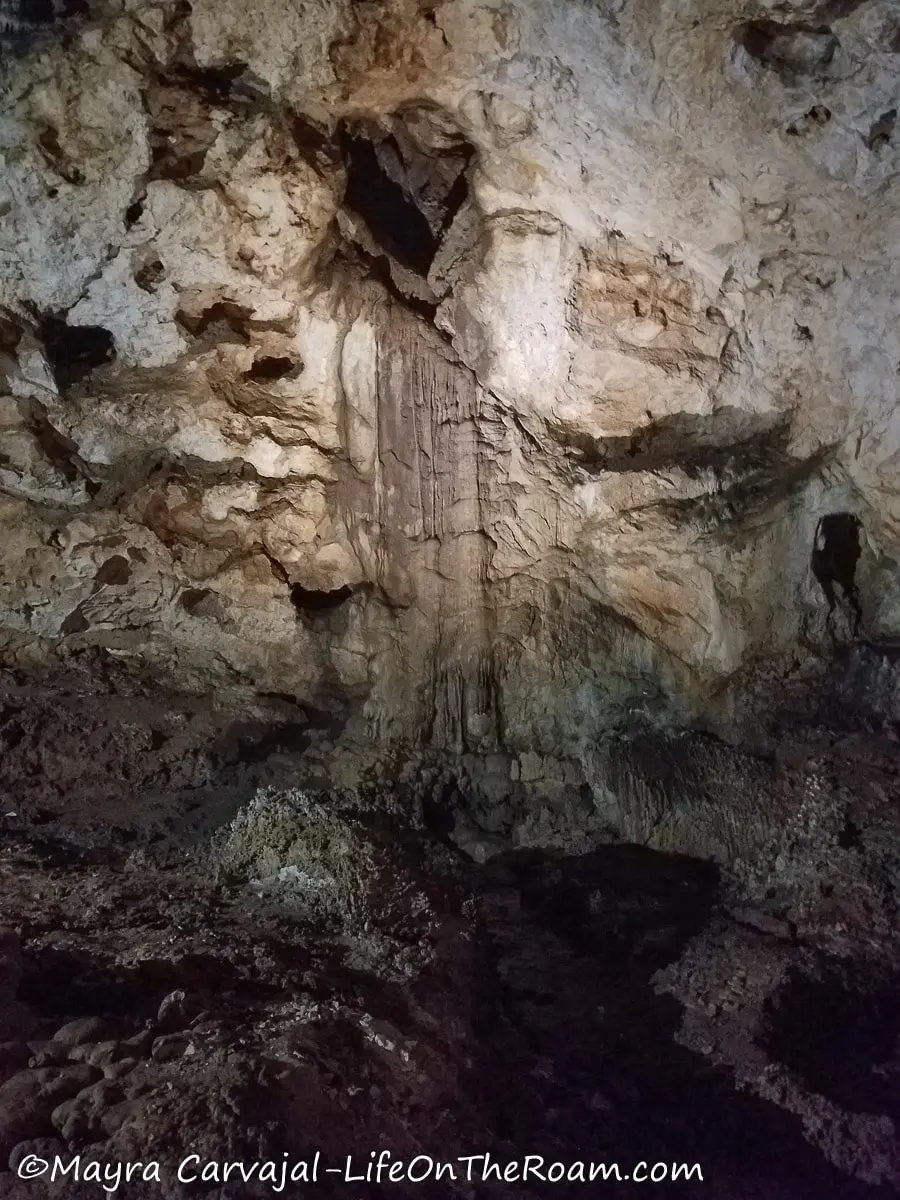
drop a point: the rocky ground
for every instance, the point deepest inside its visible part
(231, 933)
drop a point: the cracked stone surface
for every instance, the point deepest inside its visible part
(486, 369)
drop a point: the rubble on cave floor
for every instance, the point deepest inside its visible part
(219, 952)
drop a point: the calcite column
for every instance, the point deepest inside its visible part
(418, 524)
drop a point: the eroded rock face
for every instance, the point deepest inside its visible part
(491, 370)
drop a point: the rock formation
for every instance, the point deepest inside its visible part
(494, 371)
(440, 442)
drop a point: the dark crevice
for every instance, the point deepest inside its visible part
(59, 450)
(791, 51)
(134, 212)
(71, 8)
(181, 131)
(179, 101)
(256, 746)
(74, 351)
(882, 130)
(191, 598)
(690, 442)
(75, 622)
(835, 557)
(816, 117)
(10, 331)
(38, 12)
(284, 697)
(225, 313)
(316, 146)
(167, 165)
(405, 186)
(48, 140)
(307, 600)
(839, 10)
(393, 219)
(380, 268)
(278, 571)
(216, 85)
(149, 274)
(456, 198)
(55, 156)
(756, 489)
(25, 24)
(271, 367)
(407, 196)
(115, 572)
(838, 1054)
(11, 735)
(848, 838)
(750, 465)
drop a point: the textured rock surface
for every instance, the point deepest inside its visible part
(441, 442)
(489, 371)
(243, 972)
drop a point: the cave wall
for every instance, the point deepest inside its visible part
(493, 370)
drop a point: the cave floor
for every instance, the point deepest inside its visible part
(165, 993)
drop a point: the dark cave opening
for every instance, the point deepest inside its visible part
(191, 598)
(271, 367)
(407, 195)
(40, 12)
(882, 130)
(135, 210)
(393, 218)
(114, 572)
(835, 557)
(74, 351)
(309, 600)
(839, 1052)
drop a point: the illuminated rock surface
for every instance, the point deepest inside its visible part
(442, 406)
(490, 368)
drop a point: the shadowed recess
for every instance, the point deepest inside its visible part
(74, 351)
(308, 600)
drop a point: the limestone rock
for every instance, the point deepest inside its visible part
(488, 374)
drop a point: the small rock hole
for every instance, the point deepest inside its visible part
(190, 598)
(115, 572)
(271, 367)
(309, 600)
(74, 351)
